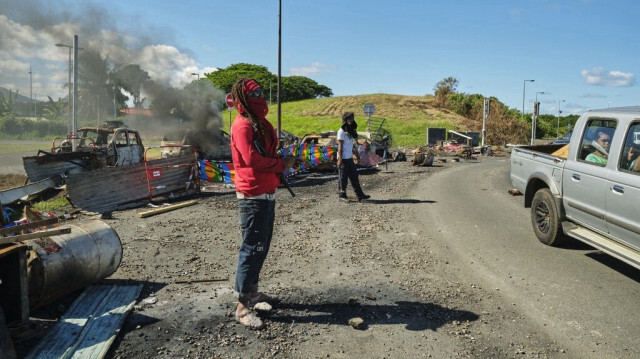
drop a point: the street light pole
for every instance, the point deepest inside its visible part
(279, 68)
(75, 93)
(69, 85)
(30, 90)
(115, 109)
(534, 118)
(524, 87)
(197, 83)
(558, 127)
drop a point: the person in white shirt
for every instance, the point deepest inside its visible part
(347, 135)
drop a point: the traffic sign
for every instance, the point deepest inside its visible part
(369, 109)
(229, 100)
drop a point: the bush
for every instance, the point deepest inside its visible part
(19, 128)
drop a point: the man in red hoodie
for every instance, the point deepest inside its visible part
(258, 167)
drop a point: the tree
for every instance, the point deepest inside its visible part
(443, 89)
(294, 88)
(95, 87)
(7, 104)
(132, 79)
(54, 110)
(99, 84)
(226, 77)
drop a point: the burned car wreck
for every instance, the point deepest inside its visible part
(113, 144)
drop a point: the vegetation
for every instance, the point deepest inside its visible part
(51, 205)
(11, 181)
(443, 89)
(24, 128)
(294, 88)
(406, 117)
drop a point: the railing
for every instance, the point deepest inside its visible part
(167, 175)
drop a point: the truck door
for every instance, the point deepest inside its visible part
(623, 191)
(584, 181)
(123, 154)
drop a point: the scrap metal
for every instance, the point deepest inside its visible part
(117, 188)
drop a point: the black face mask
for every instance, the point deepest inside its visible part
(350, 129)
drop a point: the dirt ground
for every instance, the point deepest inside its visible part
(330, 262)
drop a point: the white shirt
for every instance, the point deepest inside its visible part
(347, 145)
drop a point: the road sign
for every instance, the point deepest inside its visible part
(229, 100)
(369, 109)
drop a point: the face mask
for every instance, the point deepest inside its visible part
(259, 107)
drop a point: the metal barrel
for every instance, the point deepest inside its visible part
(61, 264)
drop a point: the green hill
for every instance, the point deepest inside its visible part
(407, 117)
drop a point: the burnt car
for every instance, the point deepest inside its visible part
(112, 144)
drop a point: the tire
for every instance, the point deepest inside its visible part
(428, 159)
(544, 218)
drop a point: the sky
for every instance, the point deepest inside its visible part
(582, 54)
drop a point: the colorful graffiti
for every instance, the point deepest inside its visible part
(310, 155)
(216, 171)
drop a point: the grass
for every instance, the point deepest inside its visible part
(407, 117)
(51, 205)
(11, 181)
(17, 146)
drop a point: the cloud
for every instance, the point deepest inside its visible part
(29, 30)
(614, 78)
(312, 69)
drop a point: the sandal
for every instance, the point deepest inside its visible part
(249, 320)
(260, 298)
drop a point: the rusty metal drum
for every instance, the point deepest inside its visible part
(61, 264)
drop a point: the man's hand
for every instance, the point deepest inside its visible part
(289, 161)
(339, 162)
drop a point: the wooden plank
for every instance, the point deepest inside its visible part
(22, 237)
(166, 208)
(22, 227)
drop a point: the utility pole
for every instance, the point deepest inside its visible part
(558, 126)
(115, 109)
(75, 93)
(279, 68)
(30, 90)
(487, 103)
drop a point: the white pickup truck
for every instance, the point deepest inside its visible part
(589, 189)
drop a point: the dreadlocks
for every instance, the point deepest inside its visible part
(244, 109)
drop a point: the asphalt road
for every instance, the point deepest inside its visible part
(579, 297)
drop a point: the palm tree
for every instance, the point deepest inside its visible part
(132, 79)
(96, 88)
(7, 106)
(54, 110)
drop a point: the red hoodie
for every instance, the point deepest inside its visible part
(255, 173)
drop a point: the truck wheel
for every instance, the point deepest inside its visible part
(544, 218)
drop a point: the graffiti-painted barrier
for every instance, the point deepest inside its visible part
(309, 156)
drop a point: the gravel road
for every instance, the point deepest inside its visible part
(386, 261)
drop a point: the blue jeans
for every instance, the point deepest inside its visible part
(256, 222)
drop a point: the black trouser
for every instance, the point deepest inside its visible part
(348, 171)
